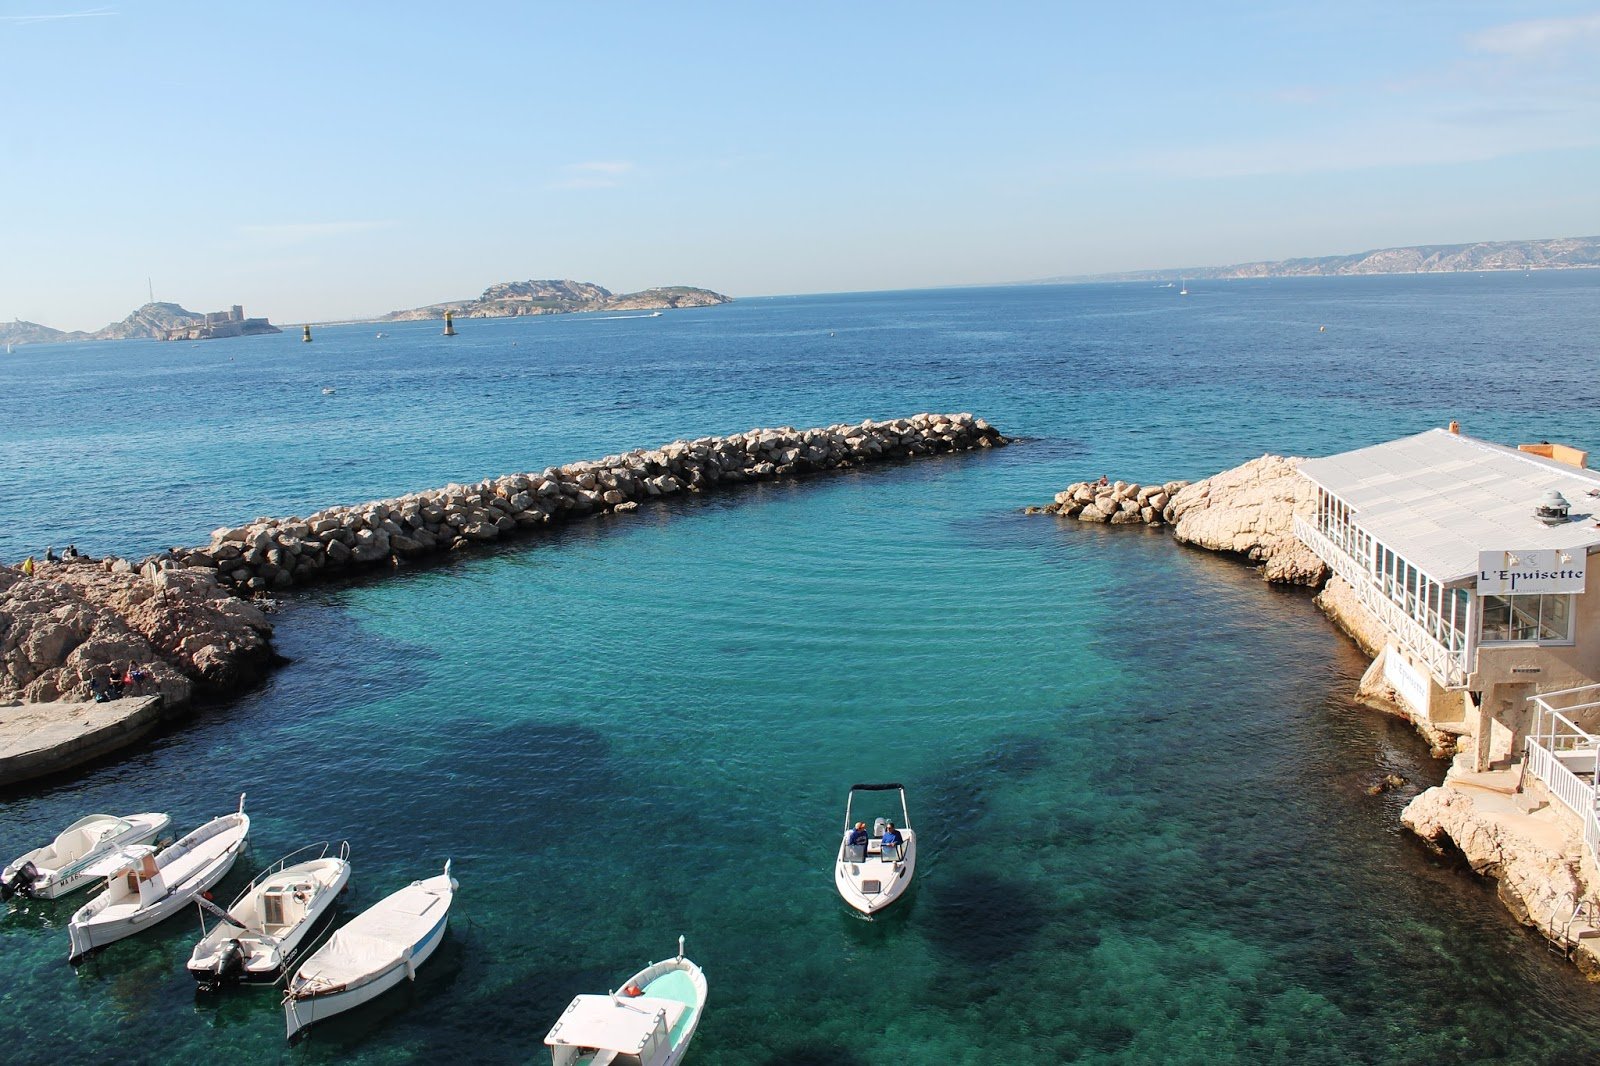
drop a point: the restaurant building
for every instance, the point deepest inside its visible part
(1473, 558)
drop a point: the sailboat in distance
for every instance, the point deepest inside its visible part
(1183, 289)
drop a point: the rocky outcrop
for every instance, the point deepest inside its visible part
(1534, 858)
(1116, 503)
(280, 552)
(512, 298)
(74, 623)
(1249, 511)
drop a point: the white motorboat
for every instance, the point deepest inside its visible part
(85, 851)
(258, 938)
(874, 869)
(381, 947)
(649, 1021)
(147, 887)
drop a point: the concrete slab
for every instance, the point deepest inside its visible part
(45, 738)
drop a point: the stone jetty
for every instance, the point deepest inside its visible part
(276, 553)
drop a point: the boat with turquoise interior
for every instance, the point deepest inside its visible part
(649, 1021)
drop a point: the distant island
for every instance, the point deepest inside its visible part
(1561, 253)
(153, 321)
(510, 298)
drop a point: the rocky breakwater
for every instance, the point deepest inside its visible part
(1247, 511)
(272, 553)
(1117, 503)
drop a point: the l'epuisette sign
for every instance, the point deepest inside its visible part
(1553, 570)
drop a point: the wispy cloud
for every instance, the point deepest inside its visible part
(600, 174)
(286, 233)
(1539, 37)
(26, 20)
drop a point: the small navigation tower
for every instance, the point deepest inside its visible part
(449, 324)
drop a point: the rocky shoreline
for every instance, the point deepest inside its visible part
(183, 621)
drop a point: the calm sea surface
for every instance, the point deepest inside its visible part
(1140, 791)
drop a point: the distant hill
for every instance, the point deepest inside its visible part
(20, 332)
(510, 298)
(153, 321)
(1561, 253)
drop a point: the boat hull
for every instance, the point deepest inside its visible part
(90, 929)
(285, 949)
(852, 880)
(87, 870)
(301, 1012)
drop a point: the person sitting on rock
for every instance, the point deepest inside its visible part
(27, 567)
(100, 695)
(1104, 480)
(50, 554)
(114, 685)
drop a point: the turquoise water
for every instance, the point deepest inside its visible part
(1139, 791)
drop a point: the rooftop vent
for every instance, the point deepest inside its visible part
(1552, 509)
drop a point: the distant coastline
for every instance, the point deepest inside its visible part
(509, 299)
(1560, 253)
(153, 321)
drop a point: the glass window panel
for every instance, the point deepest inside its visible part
(1525, 617)
(1496, 618)
(1555, 617)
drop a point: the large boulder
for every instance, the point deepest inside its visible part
(1250, 511)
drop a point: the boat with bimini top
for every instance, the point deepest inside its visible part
(381, 947)
(147, 888)
(649, 1021)
(257, 939)
(875, 869)
(83, 852)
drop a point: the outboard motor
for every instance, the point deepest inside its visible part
(22, 881)
(878, 826)
(229, 968)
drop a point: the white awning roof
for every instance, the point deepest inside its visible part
(1439, 498)
(616, 1025)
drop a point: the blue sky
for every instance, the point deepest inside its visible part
(332, 160)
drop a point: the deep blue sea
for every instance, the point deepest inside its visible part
(1139, 786)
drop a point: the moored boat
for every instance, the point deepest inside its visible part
(146, 887)
(258, 938)
(875, 869)
(379, 948)
(649, 1021)
(83, 852)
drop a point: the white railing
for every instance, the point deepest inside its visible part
(1446, 666)
(1554, 734)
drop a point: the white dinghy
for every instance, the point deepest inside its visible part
(83, 852)
(147, 887)
(649, 1021)
(874, 869)
(381, 947)
(259, 937)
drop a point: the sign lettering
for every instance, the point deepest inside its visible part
(1553, 570)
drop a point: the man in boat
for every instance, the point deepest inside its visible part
(891, 836)
(858, 835)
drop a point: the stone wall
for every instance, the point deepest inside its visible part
(272, 553)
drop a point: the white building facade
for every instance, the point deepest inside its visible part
(1460, 549)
